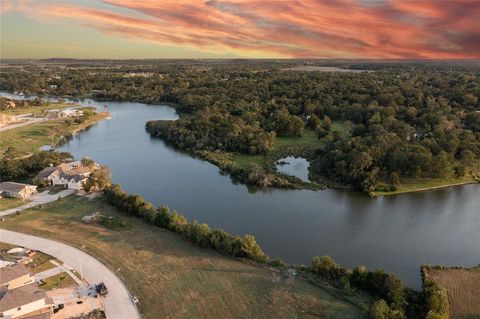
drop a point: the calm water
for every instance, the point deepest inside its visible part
(395, 233)
(295, 166)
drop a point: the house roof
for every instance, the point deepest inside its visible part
(77, 178)
(13, 186)
(78, 170)
(68, 166)
(20, 296)
(44, 173)
(10, 273)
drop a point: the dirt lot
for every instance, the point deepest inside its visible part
(463, 289)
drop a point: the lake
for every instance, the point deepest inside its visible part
(396, 233)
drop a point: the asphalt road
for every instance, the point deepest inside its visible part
(117, 303)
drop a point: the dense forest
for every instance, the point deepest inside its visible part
(403, 120)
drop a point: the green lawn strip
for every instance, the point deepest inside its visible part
(29, 138)
(7, 203)
(32, 109)
(174, 278)
(420, 184)
(61, 280)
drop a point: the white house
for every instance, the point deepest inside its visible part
(17, 190)
(71, 175)
(76, 182)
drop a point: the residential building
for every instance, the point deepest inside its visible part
(71, 175)
(25, 302)
(17, 190)
(12, 277)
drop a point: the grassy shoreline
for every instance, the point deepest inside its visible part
(175, 278)
(29, 138)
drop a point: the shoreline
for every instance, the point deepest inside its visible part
(423, 189)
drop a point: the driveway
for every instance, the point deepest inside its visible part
(37, 199)
(28, 121)
(117, 303)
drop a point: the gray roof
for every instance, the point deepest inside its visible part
(12, 186)
(44, 173)
(77, 178)
(21, 296)
(12, 272)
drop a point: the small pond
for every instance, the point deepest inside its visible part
(295, 166)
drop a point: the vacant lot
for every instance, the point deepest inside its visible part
(35, 109)
(28, 139)
(175, 279)
(463, 289)
(7, 202)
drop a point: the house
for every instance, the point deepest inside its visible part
(60, 114)
(25, 302)
(76, 182)
(53, 86)
(71, 175)
(17, 190)
(12, 277)
(50, 174)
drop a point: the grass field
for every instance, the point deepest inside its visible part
(415, 185)
(175, 279)
(7, 202)
(32, 109)
(284, 146)
(463, 290)
(29, 138)
(61, 280)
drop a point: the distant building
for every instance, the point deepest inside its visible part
(53, 86)
(52, 114)
(17, 190)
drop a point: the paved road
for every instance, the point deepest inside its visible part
(37, 199)
(117, 302)
(29, 120)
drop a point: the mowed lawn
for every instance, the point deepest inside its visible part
(35, 109)
(463, 290)
(29, 138)
(7, 202)
(176, 279)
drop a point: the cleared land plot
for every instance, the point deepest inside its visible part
(32, 109)
(175, 279)
(61, 280)
(288, 146)
(463, 290)
(28, 139)
(7, 203)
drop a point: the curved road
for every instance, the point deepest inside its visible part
(117, 302)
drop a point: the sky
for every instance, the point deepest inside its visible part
(341, 29)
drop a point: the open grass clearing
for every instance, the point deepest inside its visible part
(8, 202)
(176, 279)
(61, 280)
(29, 138)
(463, 290)
(36, 109)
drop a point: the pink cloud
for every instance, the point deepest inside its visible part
(342, 28)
